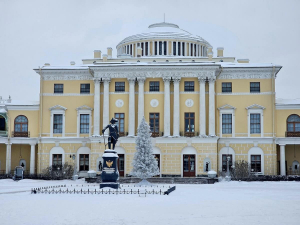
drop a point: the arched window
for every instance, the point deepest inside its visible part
(293, 126)
(21, 126)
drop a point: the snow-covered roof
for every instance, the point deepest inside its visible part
(242, 65)
(164, 31)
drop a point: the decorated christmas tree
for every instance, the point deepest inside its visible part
(144, 163)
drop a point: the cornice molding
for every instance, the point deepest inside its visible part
(247, 73)
(246, 93)
(255, 106)
(84, 107)
(58, 107)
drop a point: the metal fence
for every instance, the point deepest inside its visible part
(101, 191)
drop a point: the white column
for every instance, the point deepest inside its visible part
(32, 158)
(212, 106)
(168, 48)
(148, 48)
(176, 48)
(8, 158)
(181, 48)
(97, 107)
(141, 104)
(106, 119)
(172, 47)
(135, 49)
(167, 106)
(196, 49)
(131, 127)
(176, 112)
(153, 48)
(131, 50)
(185, 49)
(157, 47)
(162, 48)
(202, 110)
(144, 49)
(282, 160)
(191, 54)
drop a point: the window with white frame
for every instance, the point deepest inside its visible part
(227, 120)
(84, 123)
(255, 124)
(227, 123)
(255, 119)
(255, 163)
(57, 120)
(84, 114)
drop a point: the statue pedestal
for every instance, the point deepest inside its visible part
(110, 172)
(111, 185)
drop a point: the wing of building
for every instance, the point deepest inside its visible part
(202, 110)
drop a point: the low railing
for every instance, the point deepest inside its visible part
(292, 134)
(20, 134)
(189, 134)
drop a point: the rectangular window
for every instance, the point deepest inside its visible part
(255, 163)
(254, 87)
(226, 87)
(84, 88)
(84, 123)
(120, 117)
(57, 123)
(189, 86)
(119, 86)
(154, 86)
(255, 123)
(226, 123)
(224, 162)
(58, 88)
(189, 124)
(84, 162)
(154, 124)
(57, 159)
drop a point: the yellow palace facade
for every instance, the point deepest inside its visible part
(201, 109)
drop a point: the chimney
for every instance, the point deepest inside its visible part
(72, 63)
(104, 57)
(109, 52)
(210, 55)
(139, 51)
(220, 51)
(97, 54)
(243, 60)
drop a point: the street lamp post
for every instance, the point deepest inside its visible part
(228, 178)
(75, 176)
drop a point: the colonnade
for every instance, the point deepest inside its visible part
(167, 104)
(178, 48)
(8, 158)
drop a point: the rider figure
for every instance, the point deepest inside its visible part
(113, 133)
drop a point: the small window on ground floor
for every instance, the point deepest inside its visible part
(57, 160)
(84, 162)
(224, 162)
(255, 163)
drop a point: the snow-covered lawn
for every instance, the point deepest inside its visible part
(268, 203)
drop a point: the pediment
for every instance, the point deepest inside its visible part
(255, 106)
(58, 107)
(84, 107)
(227, 106)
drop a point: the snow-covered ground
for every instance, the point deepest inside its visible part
(268, 203)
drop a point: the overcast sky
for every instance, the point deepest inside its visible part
(59, 31)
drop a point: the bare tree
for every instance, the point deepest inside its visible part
(240, 170)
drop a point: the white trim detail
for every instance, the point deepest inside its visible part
(257, 151)
(189, 151)
(57, 109)
(247, 93)
(227, 109)
(56, 150)
(256, 109)
(66, 94)
(226, 151)
(83, 150)
(84, 110)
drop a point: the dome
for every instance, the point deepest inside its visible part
(163, 39)
(166, 31)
